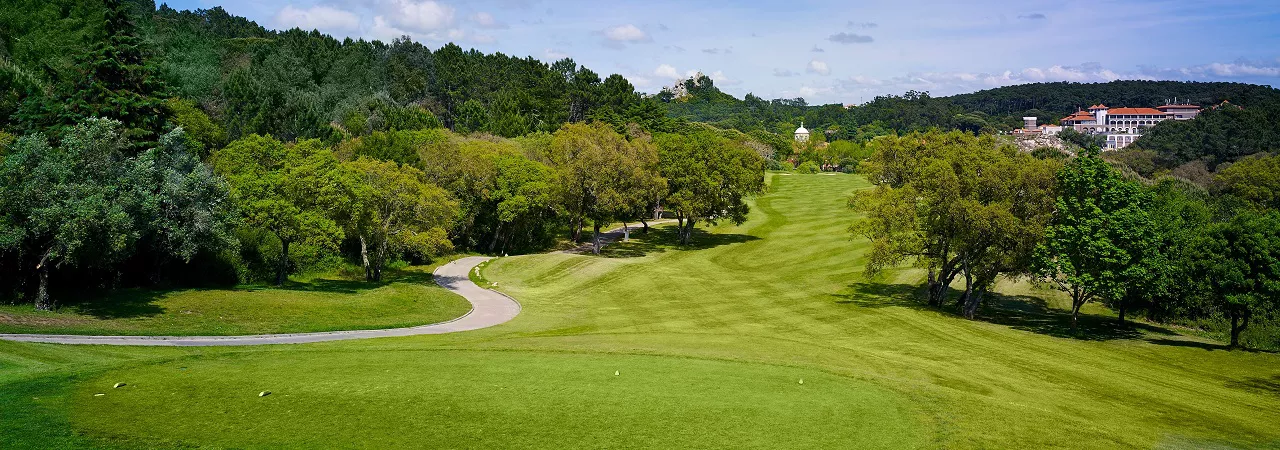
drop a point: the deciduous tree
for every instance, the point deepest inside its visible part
(1100, 240)
(709, 178)
(290, 191)
(396, 211)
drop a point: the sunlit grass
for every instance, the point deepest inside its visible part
(709, 343)
(318, 303)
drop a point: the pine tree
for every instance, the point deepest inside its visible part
(114, 80)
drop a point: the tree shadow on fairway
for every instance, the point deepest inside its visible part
(1027, 313)
(141, 302)
(122, 304)
(880, 295)
(352, 286)
(662, 239)
(1257, 384)
(1207, 346)
(1020, 312)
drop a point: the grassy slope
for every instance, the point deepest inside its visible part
(709, 344)
(407, 298)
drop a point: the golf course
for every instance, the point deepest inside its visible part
(761, 335)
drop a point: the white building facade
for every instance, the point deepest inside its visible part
(1122, 126)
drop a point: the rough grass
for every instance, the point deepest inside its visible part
(405, 298)
(710, 344)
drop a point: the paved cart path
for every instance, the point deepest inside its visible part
(488, 308)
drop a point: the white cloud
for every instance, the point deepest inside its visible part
(486, 20)
(1060, 73)
(641, 82)
(626, 33)
(317, 17)
(779, 72)
(722, 80)
(426, 16)
(865, 80)
(554, 55)
(818, 67)
(949, 83)
(666, 71)
(1239, 70)
(385, 31)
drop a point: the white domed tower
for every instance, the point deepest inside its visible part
(802, 135)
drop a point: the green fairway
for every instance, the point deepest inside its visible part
(709, 343)
(489, 400)
(407, 298)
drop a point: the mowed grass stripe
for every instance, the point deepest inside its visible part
(714, 329)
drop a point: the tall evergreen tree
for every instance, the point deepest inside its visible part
(115, 79)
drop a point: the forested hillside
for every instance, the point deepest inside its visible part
(1248, 123)
(295, 83)
(155, 147)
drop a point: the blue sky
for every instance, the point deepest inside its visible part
(829, 51)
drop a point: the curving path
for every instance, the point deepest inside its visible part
(488, 308)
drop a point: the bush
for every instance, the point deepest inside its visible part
(809, 167)
(1049, 153)
(1142, 162)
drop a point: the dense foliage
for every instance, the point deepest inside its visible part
(956, 205)
(961, 206)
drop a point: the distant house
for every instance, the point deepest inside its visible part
(1031, 130)
(1181, 112)
(1122, 126)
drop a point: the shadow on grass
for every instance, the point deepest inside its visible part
(139, 302)
(1257, 384)
(662, 239)
(1020, 312)
(127, 303)
(1208, 346)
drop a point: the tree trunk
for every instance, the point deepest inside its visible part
(646, 226)
(282, 271)
(493, 243)
(595, 242)
(1076, 302)
(687, 233)
(939, 286)
(1123, 306)
(968, 288)
(577, 230)
(933, 285)
(1239, 322)
(971, 309)
(626, 233)
(43, 301)
(379, 259)
(364, 258)
(1235, 328)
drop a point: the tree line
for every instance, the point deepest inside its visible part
(292, 84)
(92, 208)
(1247, 124)
(970, 210)
(130, 165)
